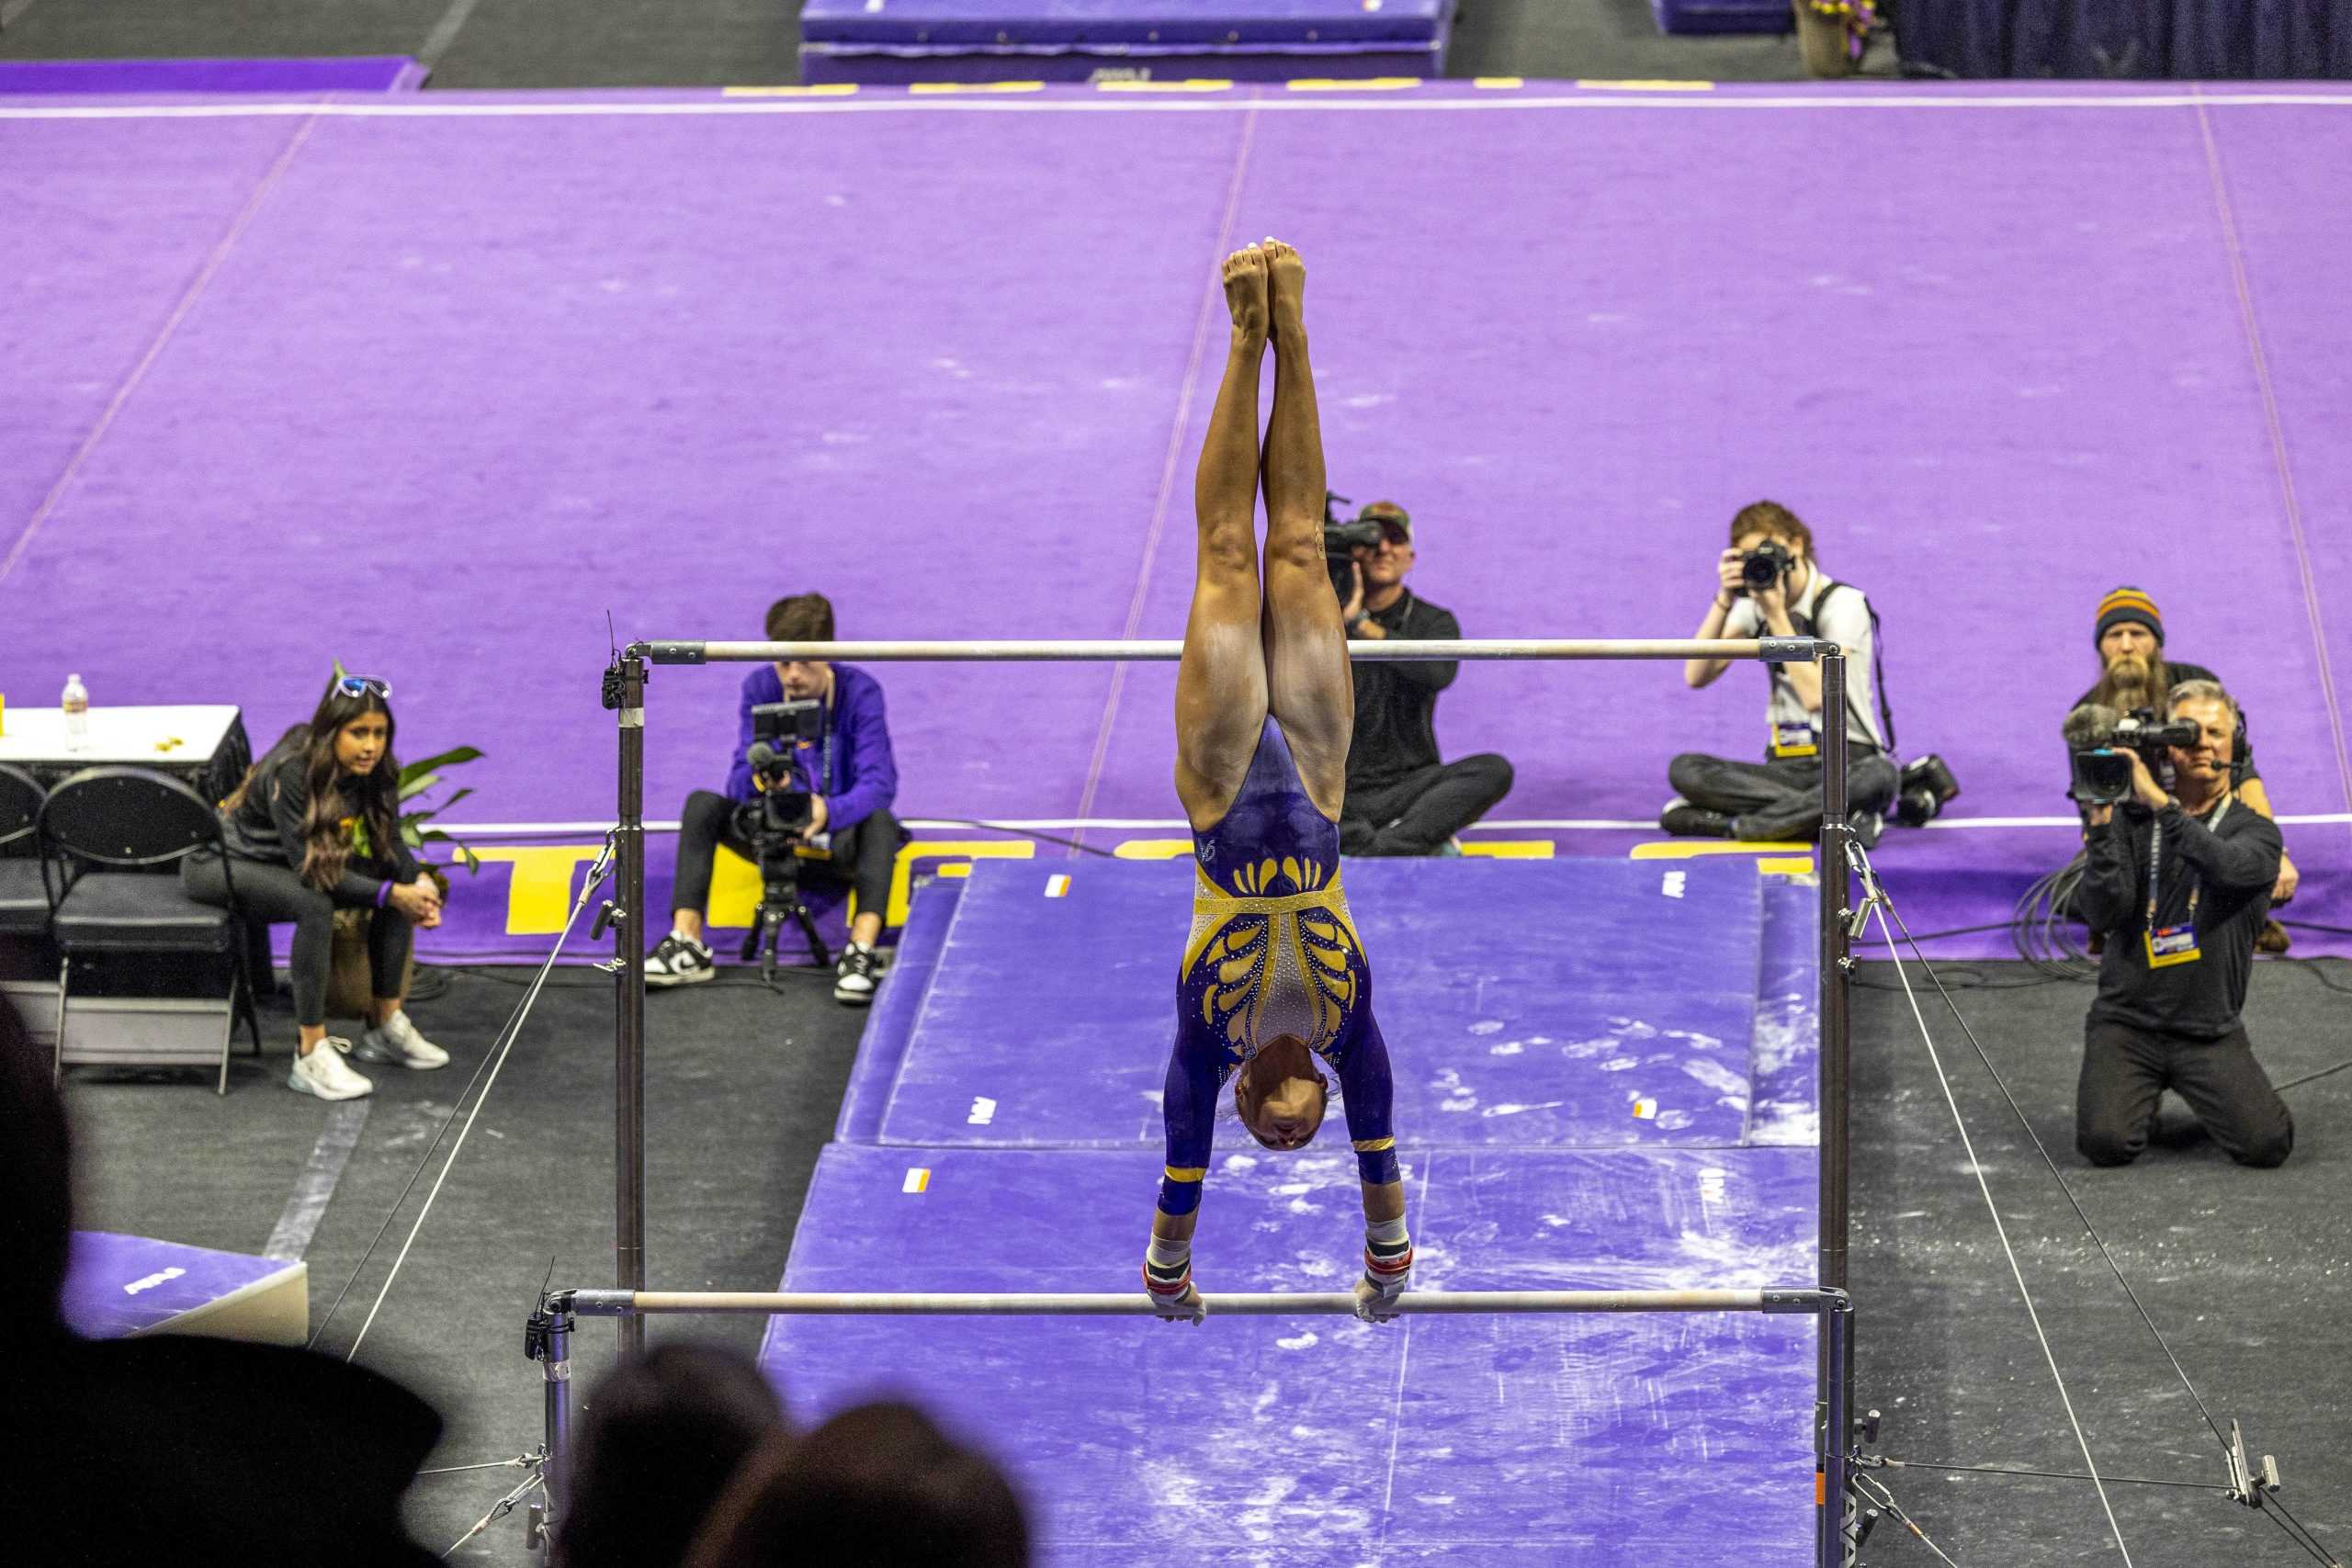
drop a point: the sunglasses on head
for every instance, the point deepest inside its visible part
(363, 685)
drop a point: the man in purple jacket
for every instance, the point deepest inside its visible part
(851, 779)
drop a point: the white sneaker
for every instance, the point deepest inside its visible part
(679, 961)
(324, 1074)
(856, 977)
(396, 1042)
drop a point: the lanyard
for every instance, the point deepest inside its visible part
(2156, 860)
(824, 779)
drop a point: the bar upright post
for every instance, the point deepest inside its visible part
(1836, 883)
(1837, 1534)
(628, 976)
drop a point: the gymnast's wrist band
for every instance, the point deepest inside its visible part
(1168, 1268)
(1387, 1256)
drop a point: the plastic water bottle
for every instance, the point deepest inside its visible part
(76, 704)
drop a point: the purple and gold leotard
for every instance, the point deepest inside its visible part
(1274, 952)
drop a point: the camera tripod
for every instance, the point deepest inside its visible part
(779, 902)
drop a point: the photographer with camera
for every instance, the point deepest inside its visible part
(839, 780)
(1766, 585)
(1402, 799)
(2179, 885)
(2136, 677)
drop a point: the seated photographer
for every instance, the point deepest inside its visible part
(1766, 585)
(2134, 674)
(2179, 885)
(1401, 800)
(851, 781)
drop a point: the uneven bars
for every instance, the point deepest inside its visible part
(1775, 649)
(1281, 1304)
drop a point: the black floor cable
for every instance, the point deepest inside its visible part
(2267, 1502)
(491, 1058)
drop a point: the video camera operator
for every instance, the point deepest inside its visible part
(850, 780)
(1402, 799)
(1766, 585)
(2179, 885)
(2134, 674)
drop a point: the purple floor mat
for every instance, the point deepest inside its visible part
(882, 1045)
(1320, 1441)
(121, 1285)
(578, 354)
(1613, 1006)
(349, 74)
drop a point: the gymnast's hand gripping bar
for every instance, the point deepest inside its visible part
(1281, 1304)
(1774, 649)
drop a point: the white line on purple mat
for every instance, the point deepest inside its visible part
(453, 106)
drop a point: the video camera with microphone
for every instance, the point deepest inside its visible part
(1341, 542)
(772, 823)
(2099, 740)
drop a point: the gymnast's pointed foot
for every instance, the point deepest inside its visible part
(1286, 279)
(1244, 294)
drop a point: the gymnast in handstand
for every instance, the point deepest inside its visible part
(1274, 984)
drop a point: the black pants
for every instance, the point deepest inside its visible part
(1415, 814)
(2126, 1068)
(272, 894)
(865, 856)
(1780, 799)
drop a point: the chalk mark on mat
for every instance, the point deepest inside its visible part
(1212, 301)
(131, 383)
(445, 31)
(314, 1189)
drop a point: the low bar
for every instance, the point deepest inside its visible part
(1777, 649)
(1286, 1303)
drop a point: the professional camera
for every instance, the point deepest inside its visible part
(2097, 739)
(1924, 788)
(1766, 566)
(1340, 541)
(773, 824)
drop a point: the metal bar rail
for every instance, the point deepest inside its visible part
(625, 691)
(548, 1340)
(1778, 649)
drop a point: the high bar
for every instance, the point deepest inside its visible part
(1286, 1303)
(1777, 649)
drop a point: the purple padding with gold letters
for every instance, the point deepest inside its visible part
(1323, 1442)
(1559, 1004)
(120, 1285)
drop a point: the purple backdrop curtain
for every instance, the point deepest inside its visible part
(2211, 39)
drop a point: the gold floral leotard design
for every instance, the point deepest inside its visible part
(1274, 952)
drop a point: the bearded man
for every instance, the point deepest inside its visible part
(2135, 673)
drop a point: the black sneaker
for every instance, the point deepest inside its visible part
(1685, 820)
(1867, 826)
(854, 977)
(679, 961)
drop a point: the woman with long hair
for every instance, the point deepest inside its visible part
(314, 828)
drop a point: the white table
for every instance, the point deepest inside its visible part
(176, 737)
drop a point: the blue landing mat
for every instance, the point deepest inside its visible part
(1568, 1004)
(1319, 1442)
(117, 1286)
(1784, 1065)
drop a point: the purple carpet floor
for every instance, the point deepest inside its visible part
(1616, 1154)
(431, 384)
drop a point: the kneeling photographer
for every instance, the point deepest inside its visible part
(813, 770)
(1766, 585)
(2178, 884)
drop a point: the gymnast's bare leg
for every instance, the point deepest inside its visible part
(1310, 687)
(1221, 700)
